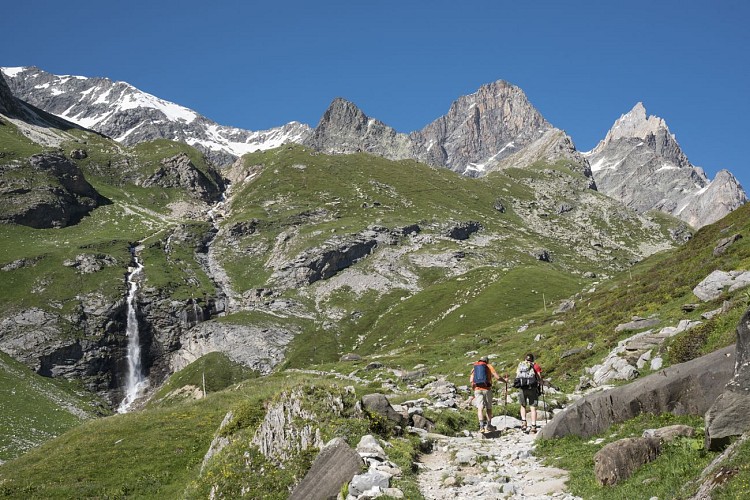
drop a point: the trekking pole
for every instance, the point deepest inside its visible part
(505, 397)
(544, 403)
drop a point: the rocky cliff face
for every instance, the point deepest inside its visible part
(477, 134)
(640, 163)
(481, 128)
(47, 190)
(130, 116)
(8, 104)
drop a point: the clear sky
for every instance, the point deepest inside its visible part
(257, 65)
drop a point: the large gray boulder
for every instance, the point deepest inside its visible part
(336, 464)
(684, 389)
(730, 414)
(378, 404)
(618, 460)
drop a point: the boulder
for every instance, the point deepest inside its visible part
(378, 404)
(637, 324)
(684, 389)
(730, 414)
(421, 422)
(669, 433)
(565, 306)
(350, 357)
(724, 244)
(542, 255)
(464, 230)
(367, 481)
(335, 465)
(714, 284)
(369, 447)
(618, 460)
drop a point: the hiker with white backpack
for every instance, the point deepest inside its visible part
(480, 379)
(529, 383)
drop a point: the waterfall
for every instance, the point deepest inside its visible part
(135, 382)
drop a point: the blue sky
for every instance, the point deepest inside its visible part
(258, 65)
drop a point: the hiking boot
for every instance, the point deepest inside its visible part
(491, 428)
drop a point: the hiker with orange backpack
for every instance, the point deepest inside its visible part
(480, 379)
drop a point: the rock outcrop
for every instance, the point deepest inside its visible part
(684, 389)
(729, 416)
(8, 103)
(640, 163)
(48, 190)
(289, 427)
(179, 171)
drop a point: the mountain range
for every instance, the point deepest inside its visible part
(240, 312)
(639, 162)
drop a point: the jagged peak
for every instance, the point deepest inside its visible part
(635, 123)
(340, 105)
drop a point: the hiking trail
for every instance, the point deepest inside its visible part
(501, 466)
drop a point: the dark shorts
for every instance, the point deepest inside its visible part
(528, 397)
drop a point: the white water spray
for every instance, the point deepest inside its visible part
(135, 382)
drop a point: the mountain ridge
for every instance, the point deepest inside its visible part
(494, 128)
(128, 115)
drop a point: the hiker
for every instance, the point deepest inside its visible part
(529, 382)
(481, 383)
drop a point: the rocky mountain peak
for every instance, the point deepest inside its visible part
(640, 163)
(474, 136)
(635, 123)
(344, 128)
(481, 129)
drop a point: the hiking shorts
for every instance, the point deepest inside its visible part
(483, 398)
(528, 397)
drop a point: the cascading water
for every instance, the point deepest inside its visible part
(135, 382)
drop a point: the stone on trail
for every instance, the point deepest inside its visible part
(505, 422)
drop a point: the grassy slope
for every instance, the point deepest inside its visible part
(157, 453)
(36, 409)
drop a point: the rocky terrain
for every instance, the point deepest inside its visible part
(640, 163)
